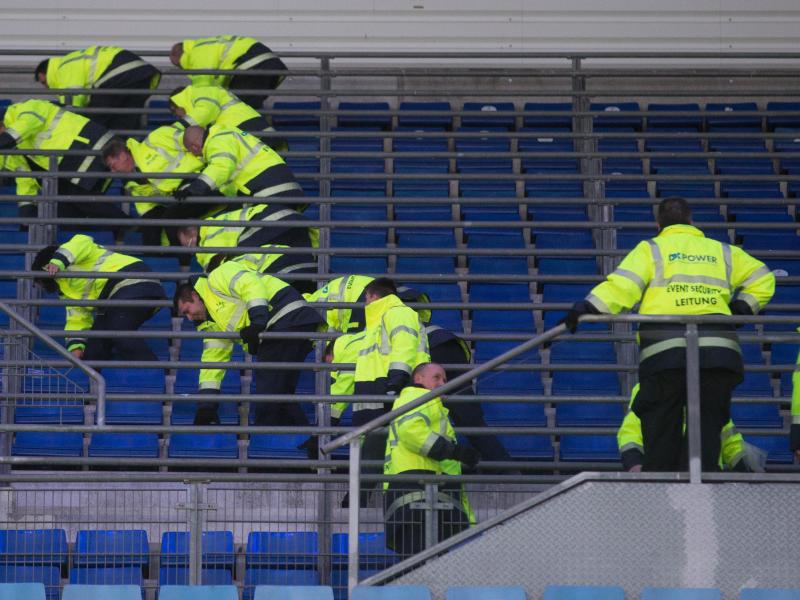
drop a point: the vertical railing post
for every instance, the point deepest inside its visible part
(325, 496)
(693, 402)
(194, 518)
(431, 515)
(354, 485)
(325, 124)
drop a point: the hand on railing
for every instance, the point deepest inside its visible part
(580, 308)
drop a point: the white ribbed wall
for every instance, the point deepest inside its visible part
(442, 25)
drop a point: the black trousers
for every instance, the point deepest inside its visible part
(467, 414)
(374, 445)
(116, 347)
(660, 405)
(144, 76)
(405, 526)
(281, 381)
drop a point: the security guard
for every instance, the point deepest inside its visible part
(41, 125)
(794, 430)
(234, 298)
(234, 157)
(681, 272)
(423, 441)
(230, 52)
(273, 239)
(103, 68)
(350, 288)
(343, 350)
(734, 455)
(394, 344)
(25, 186)
(206, 105)
(82, 254)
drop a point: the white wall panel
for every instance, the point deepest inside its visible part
(546, 25)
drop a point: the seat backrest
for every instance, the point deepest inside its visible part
(768, 594)
(391, 592)
(22, 591)
(74, 591)
(583, 592)
(486, 593)
(681, 594)
(198, 592)
(293, 592)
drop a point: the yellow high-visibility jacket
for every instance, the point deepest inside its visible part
(83, 69)
(631, 447)
(345, 351)
(414, 435)
(26, 186)
(794, 435)
(394, 344)
(162, 151)
(681, 272)
(213, 105)
(82, 254)
(42, 125)
(230, 293)
(235, 157)
(218, 52)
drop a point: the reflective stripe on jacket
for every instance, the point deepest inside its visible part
(81, 69)
(681, 272)
(213, 105)
(25, 186)
(217, 52)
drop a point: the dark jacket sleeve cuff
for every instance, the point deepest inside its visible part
(631, 458)
(794, 436)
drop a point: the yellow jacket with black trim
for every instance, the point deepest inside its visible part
(80, 69)
(794, 431)
(235, 157)
(345, 351)
(82, 254)
(394, 344)
(217, 52)
(419, 439)
(234, 295)
(42, 125)
(25, 186)
(631, 446)
(681, 272)
(213, 105)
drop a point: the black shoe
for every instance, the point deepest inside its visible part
(206, 415)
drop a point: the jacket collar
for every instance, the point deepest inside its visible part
(681, 229)
(374, 311)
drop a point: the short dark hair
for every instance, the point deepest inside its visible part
(183, 293)
(381, 287)
(114, 148)
(673, 211)
(41, 68)
(40, 261)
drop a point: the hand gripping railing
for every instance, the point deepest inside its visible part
(98, 379)
(691, 323)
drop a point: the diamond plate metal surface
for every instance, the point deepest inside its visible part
(634, 535)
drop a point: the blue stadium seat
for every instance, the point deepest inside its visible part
(163, 117)
(528, 447)
(183, 412)
(583, 592)
(124, 445)
(613, 117)
(442, 292)
(106, 576)
(198, 592)
(280, 548)
(550, 212)
(746, 414)
(482, 237)
(627, 189)
(788, 121)
(103, 238)
(547, 122)
(203, 445)
(33, 547)
(485, 593)
(296, 121)
(372, 551)
(423, 212)
(391, 592)
(277, 577)
(216, 548)
(296, 592)
(23, 591)
(49, 577)
(412, 120)
(45, 410)
(736, 116)
(488, 320)
(102, 584)
(622, 166)
(589, 448)
(767, 593)
(511, 265)
(405, 188)
(488, 114)
(554, 189)
(111, 547)
(567, 266)
(776, 447)
(522, 382)
(34, 443)
(549, 239)
(651, 593)
(545, 164)
(361, 115)
(180, 576)
(567, 351)
(276, 446)
(488, 145)
(689, 122)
